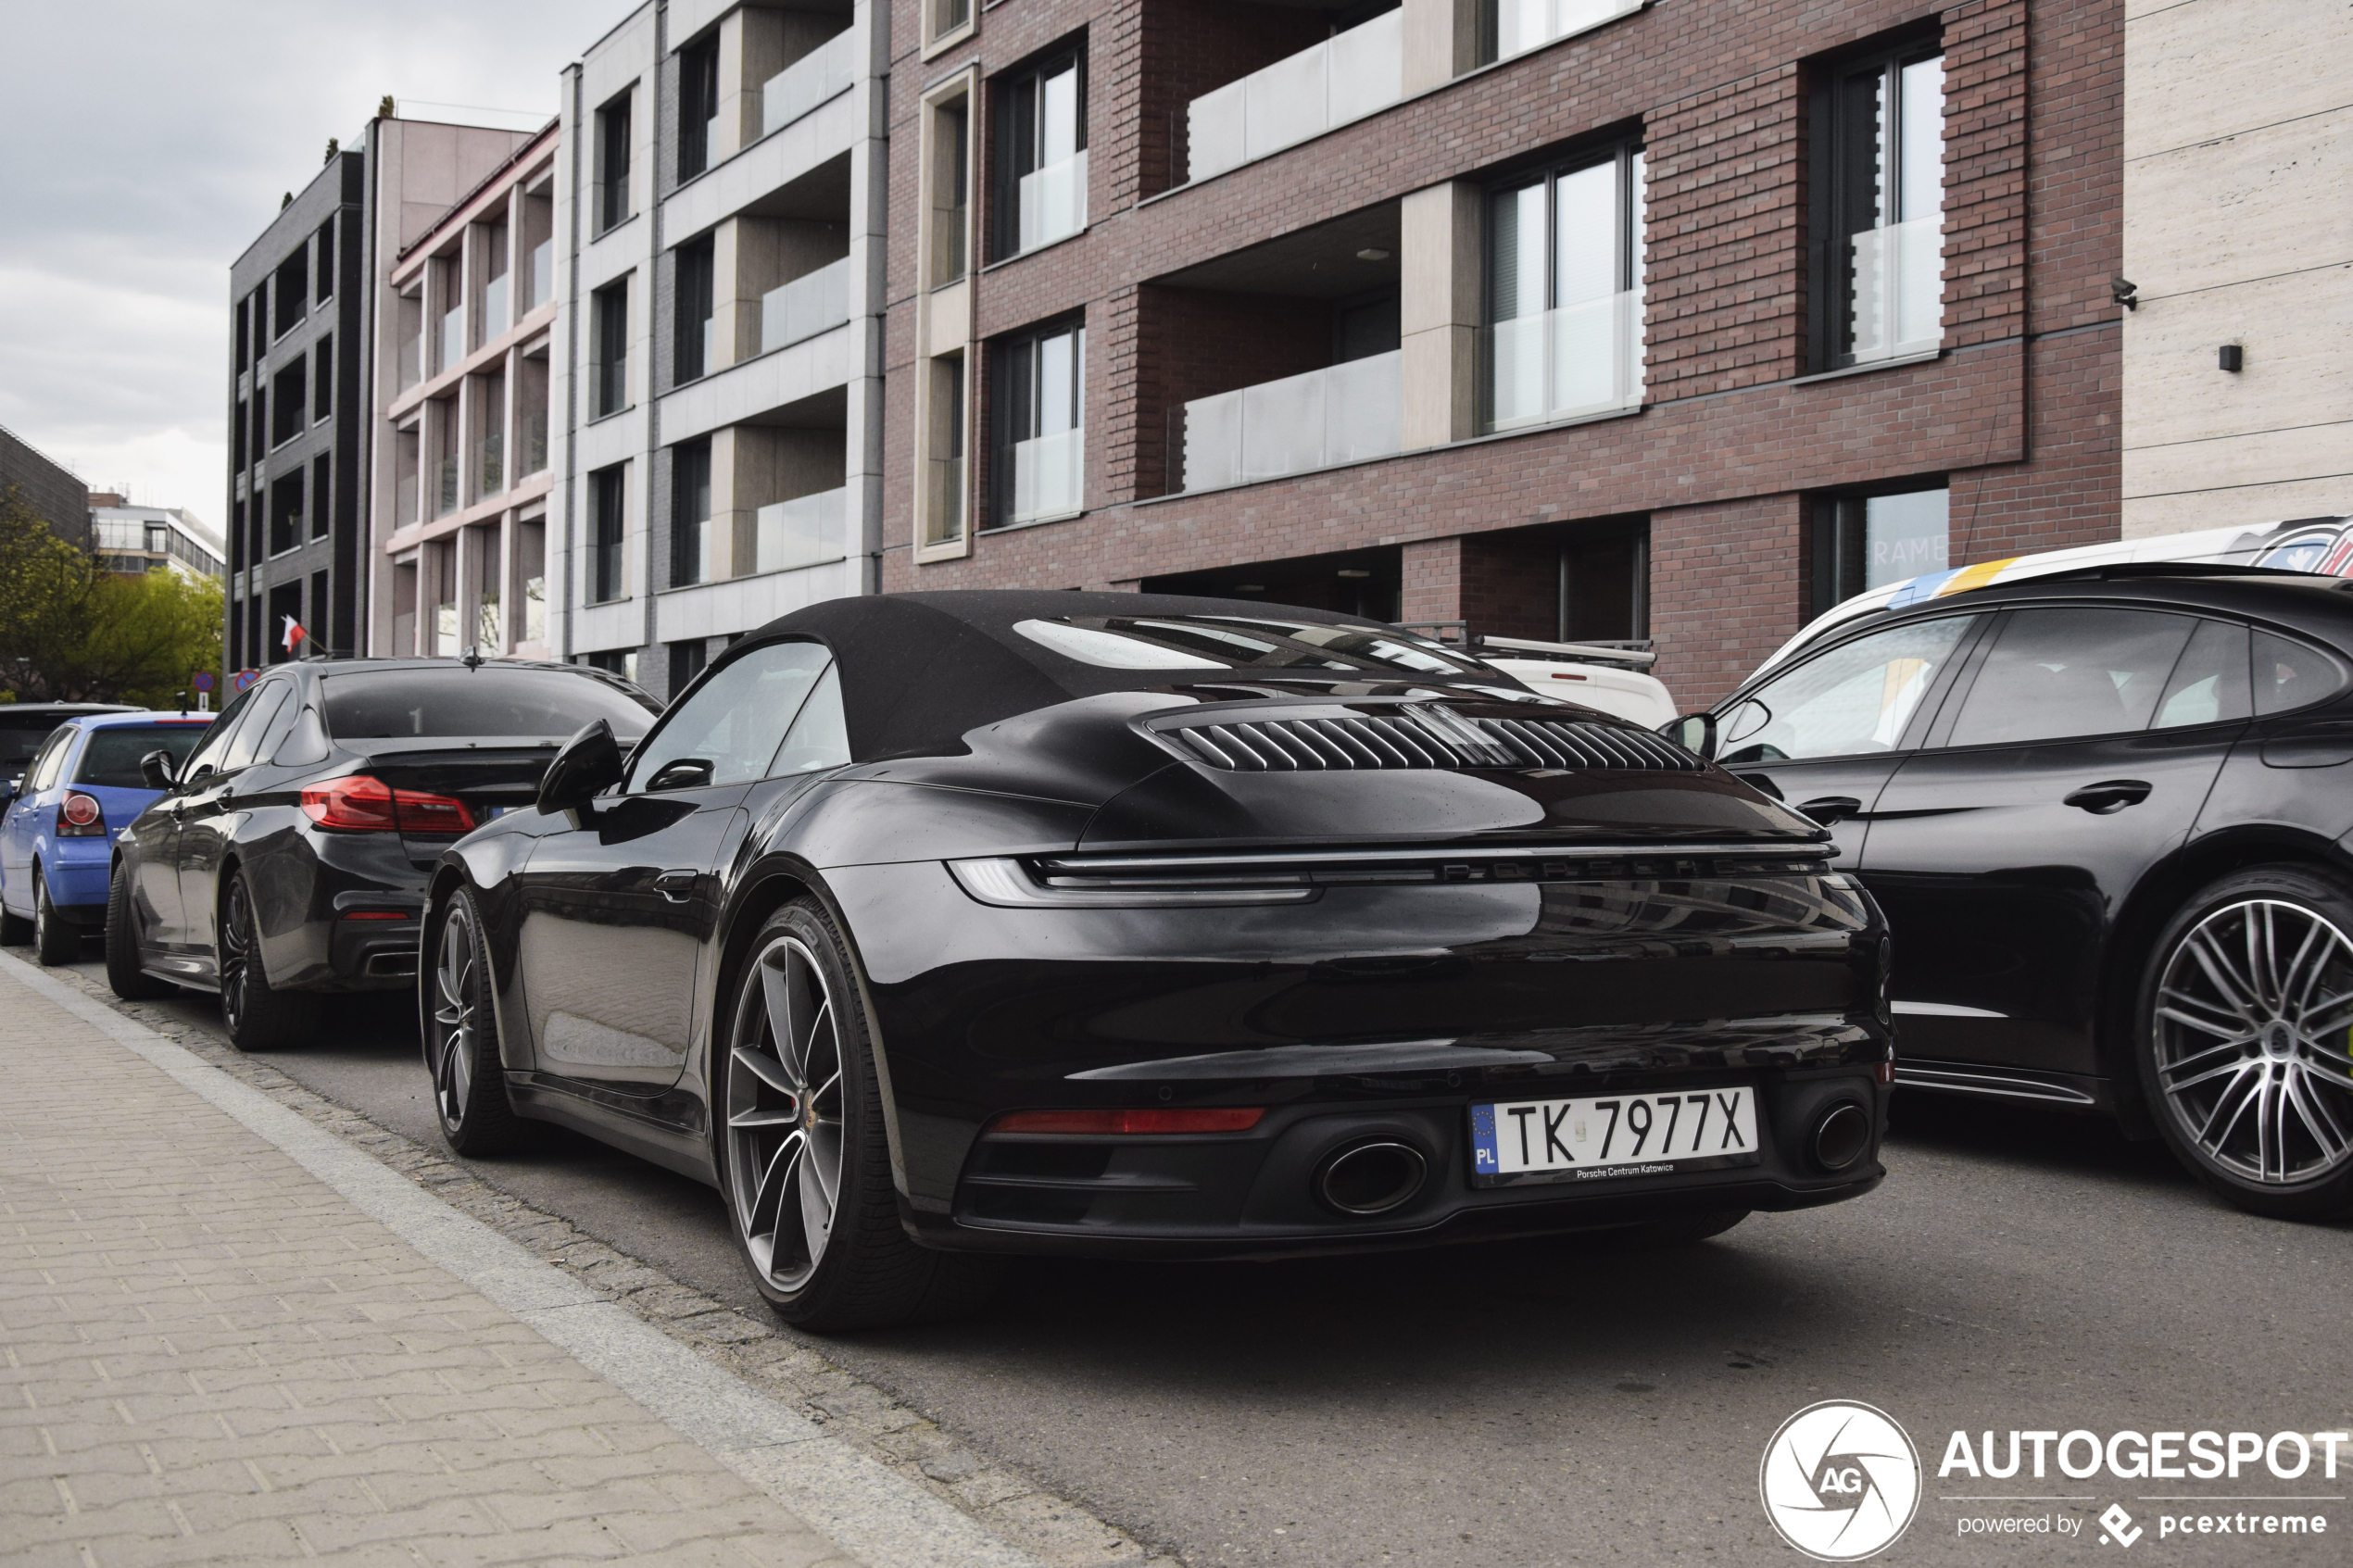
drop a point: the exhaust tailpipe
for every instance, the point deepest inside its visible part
(1372, 1177)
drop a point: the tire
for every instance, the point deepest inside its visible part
(2244, 1017)
(54, 942)
(461, 1038)
(1657, 1236)
(794, 1090)
(129, 981)
(259, 1017)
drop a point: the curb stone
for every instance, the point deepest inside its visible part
(1059, 1532)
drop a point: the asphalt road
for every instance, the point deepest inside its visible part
(1555, 1403)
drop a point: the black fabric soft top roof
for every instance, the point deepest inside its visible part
(919, 671)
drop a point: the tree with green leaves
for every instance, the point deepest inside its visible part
(72, 632)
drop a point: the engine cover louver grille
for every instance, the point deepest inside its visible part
(1417, 740)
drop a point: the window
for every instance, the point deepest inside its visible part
(237, 439)
(608, 362)
(112, 757)
(453, 700)
(285, 605)
(443, 413)
(531, 575)
(531, 415)
(291, 290)
(1042, 156)
(686, 661)
(206, 758)
(496, 291)
(691, 353)
(1863, 542)
(323, 512)
(45, 767)
(1514, 27)
(1038, 420)
(690, 514)
(286, 513)
(820, 737)
(945, 480)
(2059, 672)
(1604, 585)
(605, 521)
(323, 379)
(2290, 675)
(288, 398)
(408, 326)
(490, 428)
(732, 728)
(1565, 292)
(949, 179)
(320, 625)
(1878, 251)
(612, 163)
(448, 285)
(322, 255)
(245, 325)
(2209, 683)
(944, 17)
(697, 105)
(1854, 699)
(268, 700)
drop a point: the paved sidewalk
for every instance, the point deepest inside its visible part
(212, 1356)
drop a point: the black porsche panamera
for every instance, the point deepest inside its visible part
(934, 926)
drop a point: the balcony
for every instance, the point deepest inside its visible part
(806, 531)
(1053, 201)
(814, 303)
(1898, 278)
(490, 464)
(1341, 414)
(494, 308)
(1048, 475)
(824, 73)
(1581, 359)
(1522, 25)
(448, 490)
(1347, 77)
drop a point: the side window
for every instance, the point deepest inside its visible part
(45, 767)
(2292, 675)
(2211, 683)
(1854, 699)
(2055, 673)
(206, 758)
(267, 700)
(820, 737)
(728, 729)
(272, 731)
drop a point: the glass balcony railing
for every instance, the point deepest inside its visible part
(449, 491)
(453, 338)
(1048, 473)
(1522, 25)
(1346, 77)
(1053, 201)
(824, 73)
(494, 308)
(490, 464)
(809, 305)
(806, 531)
(1338, 415)
(543, 274)
(1898, 280)
(1581, 359)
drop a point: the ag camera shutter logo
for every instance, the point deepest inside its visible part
(1840, 1481)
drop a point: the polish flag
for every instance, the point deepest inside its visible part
(295, 633)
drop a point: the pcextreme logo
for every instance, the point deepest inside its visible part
(1840, 1481)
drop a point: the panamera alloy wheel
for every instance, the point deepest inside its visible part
(2249, 1054)
(804, 1161)
(461, 1038)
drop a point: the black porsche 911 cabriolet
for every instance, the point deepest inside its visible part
(933, 926)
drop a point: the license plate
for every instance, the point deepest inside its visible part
(1612, 1136)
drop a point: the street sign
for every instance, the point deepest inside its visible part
(201, 681)
(245, 679)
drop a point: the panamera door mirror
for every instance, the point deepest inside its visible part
(155, 769)
(1695, 733)
(588, 764)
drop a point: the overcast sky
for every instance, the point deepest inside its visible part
(144, 144)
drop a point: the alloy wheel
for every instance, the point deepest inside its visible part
(2252, 1025)
(785, 1114)
(236, 954)
(454, 1023)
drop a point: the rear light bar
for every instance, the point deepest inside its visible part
(1128, 1121)
(81, 816)
(359, 803)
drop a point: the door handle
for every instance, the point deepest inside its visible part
(1830, 809)
(677, 887)
(2100, 800)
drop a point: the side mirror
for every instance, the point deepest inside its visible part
(588, 764)
(156, 768)
(1695, 733)
(15, 788)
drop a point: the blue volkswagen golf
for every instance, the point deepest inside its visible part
(57, 838)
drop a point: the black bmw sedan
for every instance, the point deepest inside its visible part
(2107, 813)
(934, 926)
(289, 854)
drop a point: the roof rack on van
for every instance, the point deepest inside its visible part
(1634, 653)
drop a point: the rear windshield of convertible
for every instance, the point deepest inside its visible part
(1222, 642)
(111, 757)
(390, 704)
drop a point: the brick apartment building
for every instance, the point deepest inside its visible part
(1584, 319)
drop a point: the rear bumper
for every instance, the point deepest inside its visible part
(76, 872)
(1253, 1195)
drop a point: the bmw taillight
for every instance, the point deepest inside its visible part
(79, 816)
(361, 804)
